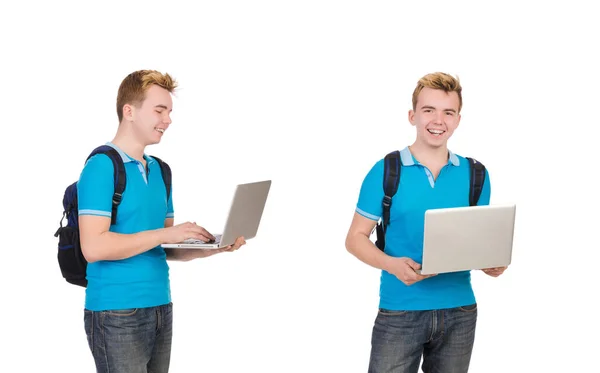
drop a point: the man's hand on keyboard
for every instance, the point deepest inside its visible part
(185, 231)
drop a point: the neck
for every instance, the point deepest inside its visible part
(127, 142)
(426, 154)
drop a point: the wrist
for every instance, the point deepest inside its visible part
(386, 262)
(160, 236)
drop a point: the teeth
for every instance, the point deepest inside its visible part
(161, 130)
(436, 132)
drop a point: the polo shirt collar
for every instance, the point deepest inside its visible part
(409, 160)
(126, 158)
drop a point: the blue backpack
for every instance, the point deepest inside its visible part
(72, 263)
(391, 179)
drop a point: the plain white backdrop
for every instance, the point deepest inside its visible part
(309, 94)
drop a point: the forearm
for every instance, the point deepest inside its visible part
(115, 246)
(185, 255)
(365, 250)
(178, 255)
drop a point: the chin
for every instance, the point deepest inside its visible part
(152, 141)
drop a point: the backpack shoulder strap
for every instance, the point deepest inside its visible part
(477, 178)
(391, 179)
(166, 174)
(120, 179)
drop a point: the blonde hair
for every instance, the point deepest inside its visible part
(438, 80)
(134, 87)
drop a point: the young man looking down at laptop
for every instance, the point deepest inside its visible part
(128, 311)
(420, 316)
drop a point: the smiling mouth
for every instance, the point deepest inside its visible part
(161, 130)
(436, 132)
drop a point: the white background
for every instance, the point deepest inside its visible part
(309, 94)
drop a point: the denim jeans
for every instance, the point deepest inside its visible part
(136, 340)
(443, 338)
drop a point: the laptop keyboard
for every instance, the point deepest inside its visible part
(195, 241)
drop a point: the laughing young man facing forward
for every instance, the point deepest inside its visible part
(420, 316)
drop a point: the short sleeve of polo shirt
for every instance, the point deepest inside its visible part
(371, 193)
(96, 186)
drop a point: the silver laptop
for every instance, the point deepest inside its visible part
(244, 218)
(466, 238)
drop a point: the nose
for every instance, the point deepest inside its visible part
(439, 117)
(167, 119)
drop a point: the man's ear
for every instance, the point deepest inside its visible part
(411, 117)
(128, 111)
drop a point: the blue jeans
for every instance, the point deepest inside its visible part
(443, 338)
(136, 340)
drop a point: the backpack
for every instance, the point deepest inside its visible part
(391, 179)
(71, 261)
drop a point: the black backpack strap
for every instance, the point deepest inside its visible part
(120, 178)
(477, 178)
(166, 174)
(391, 179)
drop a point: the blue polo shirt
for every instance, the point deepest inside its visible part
(418, 192)
(141, 280)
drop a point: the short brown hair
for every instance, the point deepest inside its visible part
(133, 88)
(438, 80)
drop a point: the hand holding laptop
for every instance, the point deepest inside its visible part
(203, 253)
(404, 269)
(494, 272)
(239, 242)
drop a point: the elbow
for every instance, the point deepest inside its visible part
(89, 253)
(349, 244)
(91, 249)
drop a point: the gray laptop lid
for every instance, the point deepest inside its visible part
(465, 238)
(246, 211)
